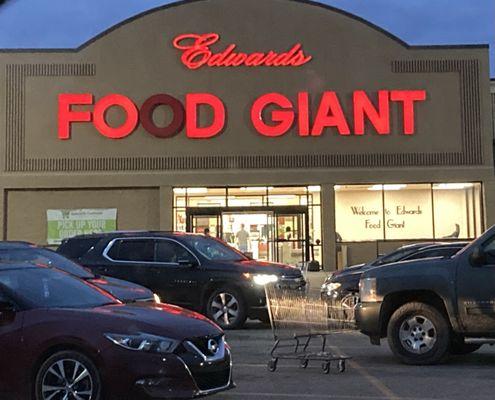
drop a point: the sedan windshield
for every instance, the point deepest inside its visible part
(214, 250)
(46, 258)
(47, 288)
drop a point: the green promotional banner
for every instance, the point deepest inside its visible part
(67, 223)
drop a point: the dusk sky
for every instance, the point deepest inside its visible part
(68, 24)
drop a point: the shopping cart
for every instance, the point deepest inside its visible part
(301, 328)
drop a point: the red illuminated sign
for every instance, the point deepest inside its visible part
(67, 116)
(272, 114)
(196, 53)
(330, 114)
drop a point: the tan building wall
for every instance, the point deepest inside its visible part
(26, 209)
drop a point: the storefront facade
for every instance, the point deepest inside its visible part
(318, 134)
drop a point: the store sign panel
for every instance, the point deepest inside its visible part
(272, 114)
(196, 53)
(62, 224)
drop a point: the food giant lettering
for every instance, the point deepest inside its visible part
(272, 114)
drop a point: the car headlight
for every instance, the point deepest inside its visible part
(156, 298)
(332, 287)
(143, 342)
(263, 279)
(367, 290)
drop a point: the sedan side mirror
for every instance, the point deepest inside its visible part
(477, 257)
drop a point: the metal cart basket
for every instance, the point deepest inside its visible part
(301, 328)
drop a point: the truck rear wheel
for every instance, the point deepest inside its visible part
(419, 334)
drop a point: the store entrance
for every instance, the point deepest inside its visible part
(279, 234)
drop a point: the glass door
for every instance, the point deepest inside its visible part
(204, 221)
(248, 232)
(291, 238)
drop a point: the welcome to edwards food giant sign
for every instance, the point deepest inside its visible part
(271, 114)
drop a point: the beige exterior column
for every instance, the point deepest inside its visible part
(489, 204)
(328, 226)
(3, 214)
(166, 208)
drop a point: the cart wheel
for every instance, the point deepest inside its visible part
(326, 367)
(341, 366)
(272, 364)
(304, 364)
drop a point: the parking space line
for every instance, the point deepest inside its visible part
(307, 396)
(318, 396)
(377, 383)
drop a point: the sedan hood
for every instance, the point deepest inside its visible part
(160, 320)
(349, 272)
(126, 292)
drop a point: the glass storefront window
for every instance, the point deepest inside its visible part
(247, 196)
(408, 211)
(457, 210)
(284, 196)
(180, 219)
(206, 197)
(359, 213)
(281, 223)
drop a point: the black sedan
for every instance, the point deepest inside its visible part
(343, 286)
(194, 271)
(15, 252)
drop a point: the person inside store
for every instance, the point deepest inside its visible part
(207, 232)
(242, 237)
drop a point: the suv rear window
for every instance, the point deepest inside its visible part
(76, 248)
(132, 250)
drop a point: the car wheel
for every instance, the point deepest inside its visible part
(458, 348)
(227, 308)
(67, 375)
(418, 334)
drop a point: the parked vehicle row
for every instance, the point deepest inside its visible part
(343, 286)
(197, 272)
(67, 325)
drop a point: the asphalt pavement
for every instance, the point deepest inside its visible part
(372, 374)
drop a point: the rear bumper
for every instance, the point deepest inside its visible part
(368, 319)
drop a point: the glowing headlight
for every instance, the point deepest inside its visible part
(156, 298)
(263, 279)
(332, 286)
(143, 342)
(367, 290)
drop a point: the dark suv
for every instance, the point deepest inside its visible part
(199, 272)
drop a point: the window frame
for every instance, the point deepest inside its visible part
(110, 244)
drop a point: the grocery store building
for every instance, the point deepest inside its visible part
(319, 134)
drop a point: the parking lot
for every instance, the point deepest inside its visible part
(372, 374)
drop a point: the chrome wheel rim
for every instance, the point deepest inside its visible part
(417, 334)
(224, 309)
(67, 379)
(349, 302)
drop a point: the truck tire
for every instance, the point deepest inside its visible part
(419, 334)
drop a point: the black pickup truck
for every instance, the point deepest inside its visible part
(434, 307)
